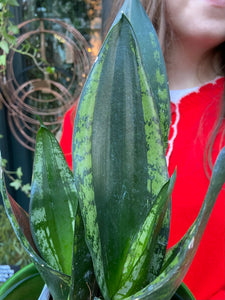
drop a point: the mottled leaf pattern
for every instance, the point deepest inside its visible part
(153, 61)
(106, 226)
(179, 258)
(53, 203)
(83, 280)
(118, 155)
(58, 283)
(140, 253)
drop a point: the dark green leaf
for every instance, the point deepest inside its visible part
(83, 279)
(179, 258)
(141, 257)
(152, 59)
(58, 283)
(53, 203)
(119, 161)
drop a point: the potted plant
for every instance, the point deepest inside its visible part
(101, 232)
(28, 284)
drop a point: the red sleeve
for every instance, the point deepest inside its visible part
(67, 133)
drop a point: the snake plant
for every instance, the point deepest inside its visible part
(101, 231)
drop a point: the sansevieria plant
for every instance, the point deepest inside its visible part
(101, 231)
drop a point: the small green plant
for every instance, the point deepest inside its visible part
(7, 30)
(16, 178)
(8, 40)
(101, 232)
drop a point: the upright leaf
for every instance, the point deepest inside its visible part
(155, 69)
(53, 211)
(179, 258)
(141, 260)
(83, 283)
(53, 203)
(153, 61)
(58, 283)
(118, 154)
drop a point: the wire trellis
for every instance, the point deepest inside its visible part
(34, 94)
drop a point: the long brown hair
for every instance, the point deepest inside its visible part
(221, 119)
(157, 13)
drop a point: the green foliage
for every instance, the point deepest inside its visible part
(8, 40)
(107, 223)
(15, 178)
(11, 250)
(7, 30)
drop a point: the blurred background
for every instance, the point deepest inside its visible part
(64, 37)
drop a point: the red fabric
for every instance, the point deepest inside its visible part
(198, 112)
(67, 132)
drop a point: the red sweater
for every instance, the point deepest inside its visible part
(193, 118)
(195, 115)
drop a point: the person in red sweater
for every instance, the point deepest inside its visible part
(192, 37)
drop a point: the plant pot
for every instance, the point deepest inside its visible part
(24, 284)
(28, 284)
(183, 293)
